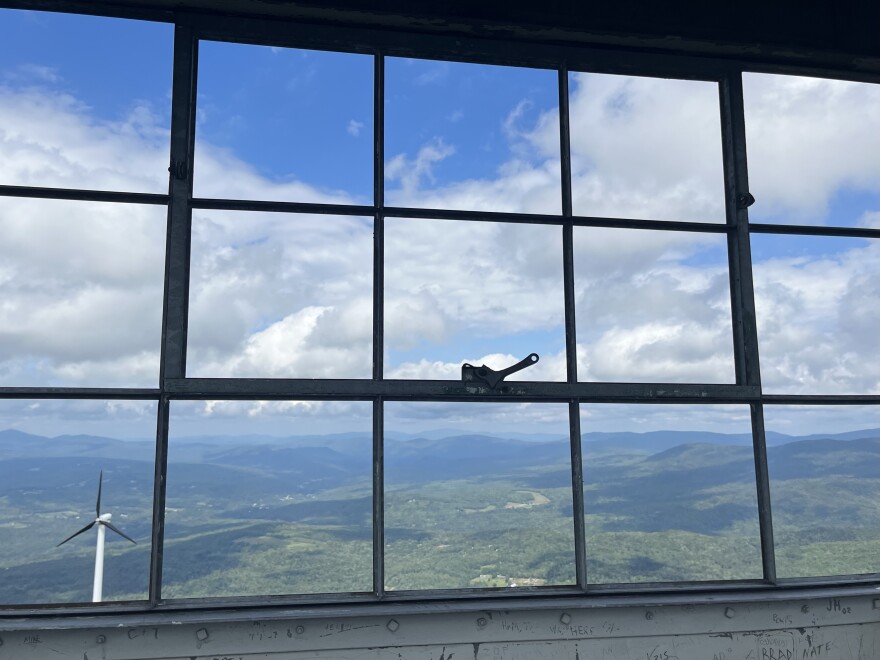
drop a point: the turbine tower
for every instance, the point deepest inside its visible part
(102, 521)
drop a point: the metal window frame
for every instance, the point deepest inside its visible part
(380, 43)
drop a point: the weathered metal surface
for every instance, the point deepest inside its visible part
(799, 629)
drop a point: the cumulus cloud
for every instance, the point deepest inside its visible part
(810, 139)
(276, 295)
(51, 139)
(280, 296)
(410, 172)
(817, 321)
(82, 292)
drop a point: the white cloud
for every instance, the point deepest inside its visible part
(411, 172)
(808, 140)
(354, 127)
(28, 74)
(279, 295)
(275, 295)
(50, 139)
(817, 321)
(433, 73)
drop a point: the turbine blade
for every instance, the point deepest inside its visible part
(84, 529)
(98, 503)
(118, 532)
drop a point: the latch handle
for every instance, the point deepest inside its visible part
(491, 377)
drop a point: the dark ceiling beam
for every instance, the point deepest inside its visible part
(838, 35)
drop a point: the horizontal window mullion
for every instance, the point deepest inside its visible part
(813, 230)
(268, 206)
(549, 219)
(79, 393)
(452, 390)
(823, 399)
(279, 207)
(84, 195)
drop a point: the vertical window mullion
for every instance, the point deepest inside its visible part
(378, 497)
(159, 489)
(378, 322)
(177, 254)
(574, 419)
(745, 332)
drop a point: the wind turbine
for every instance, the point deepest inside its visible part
(102, 521)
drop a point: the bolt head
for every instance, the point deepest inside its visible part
(649, 615)
(392, 625)
(729, 612)
(565, 618)
(300, 630)
(202, 634)
(100, 639)
(482, 622)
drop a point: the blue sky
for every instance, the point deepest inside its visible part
(275, 110)
(85, 102)
(101, 65)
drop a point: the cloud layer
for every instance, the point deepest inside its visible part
(276, 295)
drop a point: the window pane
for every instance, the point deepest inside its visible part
(814, 150)
(52, 456)
(478, 292)
(652, 306)
(284, 124)
(824, 467)
(645, 148)
(471, 136)
(477, 495)
(818, 310)
(669, 493)
(268, 497)
(81, 289)
(280, 296)
(84, 101)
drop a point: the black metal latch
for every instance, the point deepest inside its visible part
(745, 200)
(470, 373)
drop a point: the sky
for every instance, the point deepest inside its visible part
(282, 295)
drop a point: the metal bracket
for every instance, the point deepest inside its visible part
(745, 200)
(178, 169)
(470, 373)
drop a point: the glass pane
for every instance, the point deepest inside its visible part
(478, 292)
(54, 455)
(284, 124)
(280, 296)
(81, 289)
(824, 467)
(652, 306)
(471, 136)
(268, 497)
(669, 493)
(814, 150)
(645, 148)
(818, 310)
(477, 495)
(85, 102)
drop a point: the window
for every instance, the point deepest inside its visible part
(261, 365)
